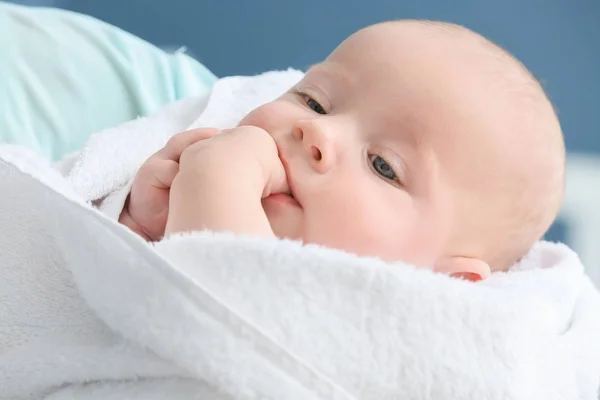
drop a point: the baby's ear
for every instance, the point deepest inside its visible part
(470, 269)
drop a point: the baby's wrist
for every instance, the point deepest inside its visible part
(126, 219)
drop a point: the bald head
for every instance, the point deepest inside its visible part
(500, 134)
(522, 174)
(421, 142)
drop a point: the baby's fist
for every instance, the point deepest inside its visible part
(147, 206)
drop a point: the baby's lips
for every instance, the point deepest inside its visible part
(285, 183)
(277, 182)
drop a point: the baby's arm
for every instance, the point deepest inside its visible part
(222, 181)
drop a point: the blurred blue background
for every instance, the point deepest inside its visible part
(559, 40)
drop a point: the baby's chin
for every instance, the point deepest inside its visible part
(285, 216)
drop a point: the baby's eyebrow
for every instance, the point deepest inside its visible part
(334, 72)
(317, 69)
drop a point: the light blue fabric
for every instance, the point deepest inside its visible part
(64, 75)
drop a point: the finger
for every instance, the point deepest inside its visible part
(178, 143)
(164, 173)
(277, 181)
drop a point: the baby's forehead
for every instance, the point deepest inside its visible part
(424, 74)
(433, 46)
(418, 60)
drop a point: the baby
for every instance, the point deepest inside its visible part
(414, 141)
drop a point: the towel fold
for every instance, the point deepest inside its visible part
(89, 310)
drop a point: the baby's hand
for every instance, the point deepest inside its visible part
(222, 181)
(147, 206)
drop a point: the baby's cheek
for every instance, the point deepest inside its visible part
(266, 117)
(359, 226)
(256, 117)
(276, 117)
(369, 223)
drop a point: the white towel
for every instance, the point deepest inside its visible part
(88, 310)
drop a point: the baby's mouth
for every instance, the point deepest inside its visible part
(288, 196)
(284, 198)
(289, 193)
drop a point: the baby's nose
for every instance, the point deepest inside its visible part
(317, 145)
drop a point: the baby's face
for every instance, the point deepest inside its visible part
(374, 141)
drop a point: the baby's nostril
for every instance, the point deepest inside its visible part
(316, 153)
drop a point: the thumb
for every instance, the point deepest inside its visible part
(277, 180)
(164, 173)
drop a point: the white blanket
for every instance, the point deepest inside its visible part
(88, 310)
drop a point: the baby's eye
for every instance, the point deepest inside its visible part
(382, 167)
(314, 105)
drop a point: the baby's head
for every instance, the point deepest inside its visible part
(421, 142)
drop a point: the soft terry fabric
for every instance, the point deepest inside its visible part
(88, 310)
(65, 75)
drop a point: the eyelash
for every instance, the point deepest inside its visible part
(308, 100)
(372, 157)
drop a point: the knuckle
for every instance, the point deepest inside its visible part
(176, 140)
(186, 138)
(151, 164)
